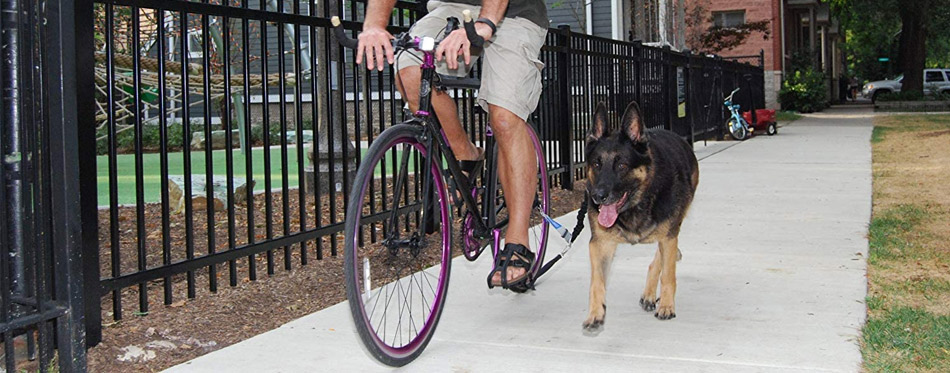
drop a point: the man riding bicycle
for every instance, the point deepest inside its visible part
(514, 31)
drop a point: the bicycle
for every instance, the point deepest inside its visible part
(398, 242)
(736, 124)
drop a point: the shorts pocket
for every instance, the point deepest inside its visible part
(529, 54)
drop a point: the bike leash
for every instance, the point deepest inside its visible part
(570, 237)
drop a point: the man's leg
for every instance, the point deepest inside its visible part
(518, 170)
(407, 81)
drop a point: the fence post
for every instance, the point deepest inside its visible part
(689, 97)
(62, 90)
(638, 66)
(668, 82)
(762, 58)
(566, 122)
(89, 215)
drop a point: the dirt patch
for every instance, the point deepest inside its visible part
(911, 166)
(935, 134)
(170, 334)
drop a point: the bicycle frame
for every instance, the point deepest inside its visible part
(426, 117)
(734, 109)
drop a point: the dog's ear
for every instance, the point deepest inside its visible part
(599, 128)
(632, 123)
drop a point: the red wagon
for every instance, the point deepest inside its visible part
(764, 121)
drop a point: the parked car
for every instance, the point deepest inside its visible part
(935, 81)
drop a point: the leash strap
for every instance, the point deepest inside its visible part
(581, 214)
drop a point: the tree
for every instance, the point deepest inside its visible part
(912, 54)
(903, 30)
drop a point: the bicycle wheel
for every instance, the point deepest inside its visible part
(538, 227)
(736, 130)
(397, 278)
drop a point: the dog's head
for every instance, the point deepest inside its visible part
(618, 163)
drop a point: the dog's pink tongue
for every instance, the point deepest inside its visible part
(608, 215)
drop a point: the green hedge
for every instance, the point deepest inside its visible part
(151, 138)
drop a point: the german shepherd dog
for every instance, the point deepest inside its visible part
(640, 184)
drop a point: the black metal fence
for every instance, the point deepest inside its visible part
(227, 133)
(41, 287)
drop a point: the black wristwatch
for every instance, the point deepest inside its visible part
(488, 22)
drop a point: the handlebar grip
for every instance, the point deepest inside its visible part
(341, 36)
(476, 40)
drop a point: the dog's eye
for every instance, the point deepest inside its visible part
(596, 164)
(621, 167)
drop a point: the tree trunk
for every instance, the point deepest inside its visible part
(912, 54)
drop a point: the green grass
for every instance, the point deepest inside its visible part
(908, 327)
(152, 176)
(786, 116)
(877, 135)
(151, 171)
(888, 233)
(907, 339)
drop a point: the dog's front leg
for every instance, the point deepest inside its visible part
(601, 255)
(648, 299)
(669, 249)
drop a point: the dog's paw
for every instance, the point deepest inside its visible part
(648, 305)
(595, 321)
(665, 313)
(594, 326)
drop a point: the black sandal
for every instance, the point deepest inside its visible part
(517, 256)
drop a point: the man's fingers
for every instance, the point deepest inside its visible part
(467, 52)
(389, 53)
(380, 57)
(359, 53)
(439, 51)
(452, 58)
(370, 61)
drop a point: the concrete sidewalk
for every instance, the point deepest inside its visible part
(772, 279)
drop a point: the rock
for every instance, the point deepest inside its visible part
(199, 188)
(218, 139)
(161, 344)
(135, 354)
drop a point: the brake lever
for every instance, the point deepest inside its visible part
(452, 24)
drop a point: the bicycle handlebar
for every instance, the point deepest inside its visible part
(341, 37)
(729, 97)
(404, 41)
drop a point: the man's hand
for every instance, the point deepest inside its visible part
(376, 44)
(457, 43)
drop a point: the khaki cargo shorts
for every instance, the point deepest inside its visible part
(511, 72)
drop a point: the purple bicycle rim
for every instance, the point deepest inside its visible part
(545, 201)
(413, 345)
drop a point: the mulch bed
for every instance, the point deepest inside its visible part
(185, 328)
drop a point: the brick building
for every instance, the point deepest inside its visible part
(796, 27)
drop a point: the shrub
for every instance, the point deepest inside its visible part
(804, 91)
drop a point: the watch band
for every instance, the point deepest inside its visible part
(488, 22)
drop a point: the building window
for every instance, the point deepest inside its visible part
(732, 18)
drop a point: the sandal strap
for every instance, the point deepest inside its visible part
(469, 166)
(513, 255)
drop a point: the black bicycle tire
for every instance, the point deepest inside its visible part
(369, 344)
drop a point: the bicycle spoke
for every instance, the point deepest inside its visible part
(395, 285)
